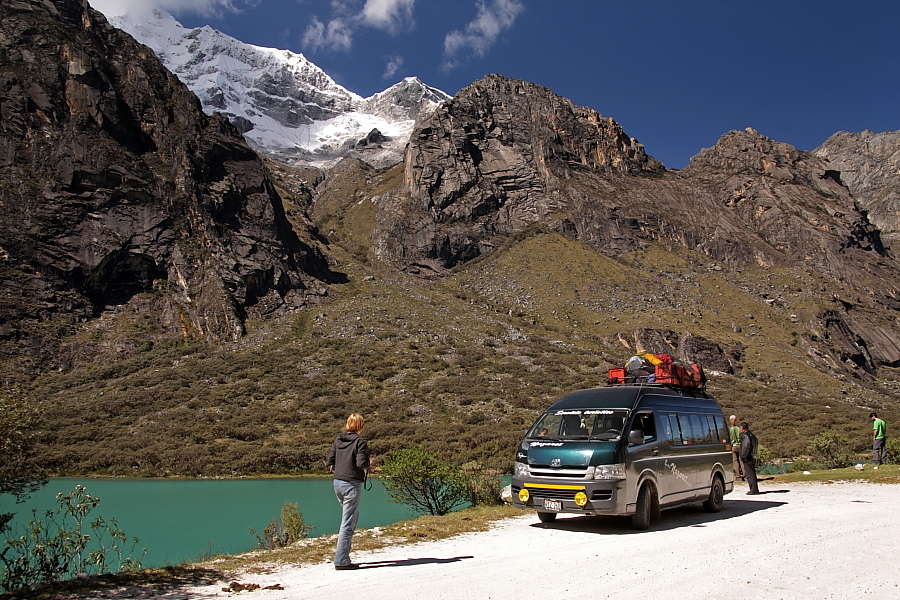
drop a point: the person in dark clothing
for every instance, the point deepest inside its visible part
(349, 460)
(749, 448)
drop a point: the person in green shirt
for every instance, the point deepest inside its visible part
(734, 433)
(879, 439)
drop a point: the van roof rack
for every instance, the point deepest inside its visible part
(679, 378)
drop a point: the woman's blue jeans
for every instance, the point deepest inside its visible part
(348, 494)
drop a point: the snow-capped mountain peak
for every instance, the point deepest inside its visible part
(286, 106)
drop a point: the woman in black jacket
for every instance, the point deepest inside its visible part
(349, 459)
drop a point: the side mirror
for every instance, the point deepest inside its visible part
(635, 437)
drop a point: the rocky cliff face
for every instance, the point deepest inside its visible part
(792, 201)
(497, 158)
(505, 155)
(869, 165)
(797, 204)
(115, 184)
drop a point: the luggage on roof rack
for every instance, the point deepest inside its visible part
(688, 376)
(664, 371)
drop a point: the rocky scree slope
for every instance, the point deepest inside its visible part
(117, 188)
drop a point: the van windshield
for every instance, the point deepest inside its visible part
(580, 424)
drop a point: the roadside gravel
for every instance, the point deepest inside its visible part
(797, 540)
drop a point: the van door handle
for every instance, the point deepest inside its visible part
(656, 452)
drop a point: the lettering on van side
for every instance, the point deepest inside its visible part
(542, 444)
(676, 472)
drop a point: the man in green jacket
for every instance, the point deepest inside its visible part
(734, 432)
(879, 439)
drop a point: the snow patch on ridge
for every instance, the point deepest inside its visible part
(286, 106)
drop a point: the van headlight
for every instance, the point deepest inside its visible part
(609, 471)
(521, 470)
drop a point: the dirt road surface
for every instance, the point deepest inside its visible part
(803, 540)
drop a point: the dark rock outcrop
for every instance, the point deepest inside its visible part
(115, 183)
(492, 161)
(868, 163)
(686, 347)
(790, 200)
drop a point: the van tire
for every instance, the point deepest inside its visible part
(546, 517)
(716, 499)
(644, 509)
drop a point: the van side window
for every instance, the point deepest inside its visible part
(711, 431)
(701, 428)
(673, 429)
(713, 435)
(644, 422)
(687, 433)
(722, 436)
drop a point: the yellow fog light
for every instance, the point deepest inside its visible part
(580, 498)
(524, 496)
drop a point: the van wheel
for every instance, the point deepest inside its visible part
(546, 517)
(716, 499)
(641, 518)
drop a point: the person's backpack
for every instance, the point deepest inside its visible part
(754, 445)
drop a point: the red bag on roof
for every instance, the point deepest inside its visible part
(689, 376)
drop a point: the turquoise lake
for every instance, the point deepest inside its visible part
(181, 520)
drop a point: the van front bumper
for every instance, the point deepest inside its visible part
(600, 497)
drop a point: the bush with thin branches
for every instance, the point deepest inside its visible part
(280, 533)
(66, 544)
(417, 478)
(830, 451)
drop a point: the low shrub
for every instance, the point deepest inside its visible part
(417, 478)
(764, 456)
(800, 465)
(483, 486)
(280, 533)
(830, 451)
(66, 545)
(893, 451)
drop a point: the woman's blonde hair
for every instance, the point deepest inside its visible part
(355, 423)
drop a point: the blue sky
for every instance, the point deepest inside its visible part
(675, 74)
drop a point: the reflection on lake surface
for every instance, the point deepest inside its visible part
(179, 520)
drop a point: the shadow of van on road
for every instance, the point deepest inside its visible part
(691, 515)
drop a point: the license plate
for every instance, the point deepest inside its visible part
(553, 505)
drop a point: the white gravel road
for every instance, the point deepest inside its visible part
(801, 540)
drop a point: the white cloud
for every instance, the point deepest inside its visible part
(391, 16)
(492, 20)
(114, 8)
(336, 35)
(388, 15)
(393, 65)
